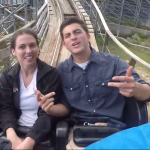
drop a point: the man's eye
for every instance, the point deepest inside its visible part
(77, 32)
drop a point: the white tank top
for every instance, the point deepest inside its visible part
(28, 102)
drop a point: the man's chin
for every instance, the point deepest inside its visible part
(77, 52)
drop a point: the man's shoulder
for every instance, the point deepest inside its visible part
(102, 57)
(106, 57)
(63, 65)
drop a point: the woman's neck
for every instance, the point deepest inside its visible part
(28, 70)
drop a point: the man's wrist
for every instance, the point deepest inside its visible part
(136, 89)
(142, 91)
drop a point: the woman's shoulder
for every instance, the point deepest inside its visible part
(5, 78)
(46, 68)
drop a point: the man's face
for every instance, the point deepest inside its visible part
(76, 40)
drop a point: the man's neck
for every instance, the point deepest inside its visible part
(83, 57)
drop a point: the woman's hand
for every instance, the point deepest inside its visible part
(12, 136)
(23, 146)
(27, 144)
(46, 102)
(15, 142)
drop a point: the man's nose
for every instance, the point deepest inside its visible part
(73, 37)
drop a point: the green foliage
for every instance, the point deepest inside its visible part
(140, 39)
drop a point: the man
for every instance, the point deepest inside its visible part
(95, 84)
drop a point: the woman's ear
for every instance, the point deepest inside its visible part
(88, 36)
(63, 43)
(13, 52)
(39, 51)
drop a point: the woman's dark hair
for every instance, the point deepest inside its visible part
(21, 32)
(71, 21)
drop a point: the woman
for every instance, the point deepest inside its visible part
(18, 102)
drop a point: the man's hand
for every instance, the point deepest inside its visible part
(46, 102)
(126, 84)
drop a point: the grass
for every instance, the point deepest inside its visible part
(145, 41)
(114, 49)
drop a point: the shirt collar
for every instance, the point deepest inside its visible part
(14, 71)
(93, 58)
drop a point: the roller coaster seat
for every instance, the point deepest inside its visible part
(55, 140)
(80, 136)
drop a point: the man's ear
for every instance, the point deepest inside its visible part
(13, 52)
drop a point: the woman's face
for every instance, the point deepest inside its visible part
(26, 49)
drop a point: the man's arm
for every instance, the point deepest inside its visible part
(130, 84)
(129, 87)
(142, 91)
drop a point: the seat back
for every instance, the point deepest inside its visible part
(135, 113)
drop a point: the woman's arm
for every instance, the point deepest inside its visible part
(42, 126)
(8, 117)
(12, 136)
(46, 102)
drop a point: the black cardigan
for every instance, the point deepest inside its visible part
(48, 80)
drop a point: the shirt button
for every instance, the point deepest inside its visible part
(84, 72)
(89, 100)
(94, 110)
(103, 83)
(71, 89)
(87, 86)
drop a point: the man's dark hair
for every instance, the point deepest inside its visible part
(70, 21)
(21, 32)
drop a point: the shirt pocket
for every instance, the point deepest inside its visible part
(101, 88)
(73, 93)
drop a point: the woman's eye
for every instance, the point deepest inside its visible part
(33, 45)
(67, 36)
(22, 47)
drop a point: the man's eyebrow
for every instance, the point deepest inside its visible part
(73, 31)
(77, 30)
